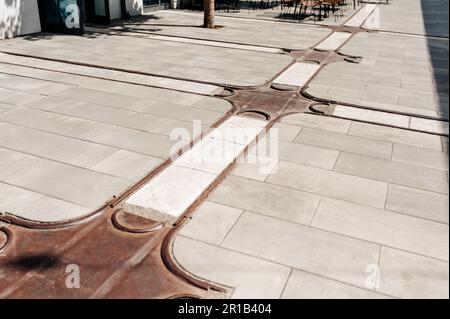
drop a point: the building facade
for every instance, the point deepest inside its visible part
(21, 17)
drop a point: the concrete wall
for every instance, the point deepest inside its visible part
(18, 17)
(115, 11)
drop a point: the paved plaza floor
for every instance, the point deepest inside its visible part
(350, 208)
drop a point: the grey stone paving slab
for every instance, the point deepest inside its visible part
(319, 181)
(127, 165)
(418, 17)
(48, 209)
(14, 198)
(110, 115)
(418, 203)
(315, 121)
(420, 156)
(79, 186)
(388, 171)
(303, 285)
(232, 268)
(395, 135)
(167, 128)
(11, 162)
(400, 73)
(48, 122)
(94, 124)
(186, 61)
(308, 155)
(346, 143)
(287, 132)
(395, 230)
(51, 146)
(256, 166)
(219, 218)
(302, 247)
(408, 275)
(271, 200)
(261, 33)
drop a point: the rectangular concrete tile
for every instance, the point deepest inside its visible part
(172, 191)
(175, 111)
(135, 141)
(420, 156)
(358, 19)
(334, 41)
(49, 122)
(433, 126)
(48, 209)
(260, 161)
(418, 203)
(371, 116)
(172, 126)
(239, 130)
(263, 198)
(105, 114)
(257, 169)
(393, 172)
(383, 227)
(251, 277)
(211, 222)
(341, 186)
(128, 165)
(73, 184)
(12, 161)
(51, 146)
(308, 155)
(395, 135)
(407, 275)
(298, 74)
(303, 247)
(346, 143)
(318, 122)
(303, 285)
(13, 199)
(210, 155)
(286, 132)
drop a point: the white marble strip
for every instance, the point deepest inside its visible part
(297, 74)
(361, 16)
(372, 116)
(172, 191)
(398, 120)
(432, 126)
(156, 81)
(334, 41)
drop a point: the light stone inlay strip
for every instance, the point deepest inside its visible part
(334, 41)
(361, 16)
(298, 74)
(173, 190)
(397, 120)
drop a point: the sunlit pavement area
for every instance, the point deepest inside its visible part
(356, 205)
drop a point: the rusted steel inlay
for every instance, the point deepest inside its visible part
(118, 255)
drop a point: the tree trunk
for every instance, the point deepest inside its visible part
(208, 21)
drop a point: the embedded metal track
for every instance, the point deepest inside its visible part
(119, 255)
